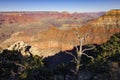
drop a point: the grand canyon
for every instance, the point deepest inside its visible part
(49, 34)
(55, 31)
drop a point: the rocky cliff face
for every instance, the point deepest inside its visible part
(55, 39)
(100, 31)
(25, 18)
(35, 22)
(24, 48)
(110, 19)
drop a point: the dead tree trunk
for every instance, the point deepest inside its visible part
(79, 52)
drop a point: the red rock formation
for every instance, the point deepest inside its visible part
(55, 38)
(35, 22)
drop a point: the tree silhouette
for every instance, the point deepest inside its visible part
(79, 52)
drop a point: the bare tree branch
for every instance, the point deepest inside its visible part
(79, 51)
(87, 49)
(69, 53)
(73, 61)
(88, 56)
(80, 44)
(73, 71)
(78, 35)
(86, 35)
(76, 49)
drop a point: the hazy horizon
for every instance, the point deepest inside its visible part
(59, 5)
(58, 11)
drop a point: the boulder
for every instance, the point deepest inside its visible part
(24, 48)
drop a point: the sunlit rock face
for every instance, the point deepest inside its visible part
(110, 19)
(25, 49)
(35, 22)
(55, 39)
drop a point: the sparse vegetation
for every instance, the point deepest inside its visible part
(105, 65)
(14, 65)
(107, 56)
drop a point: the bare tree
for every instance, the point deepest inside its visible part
(79, 52)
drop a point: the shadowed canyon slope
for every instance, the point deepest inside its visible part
(62, 36)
